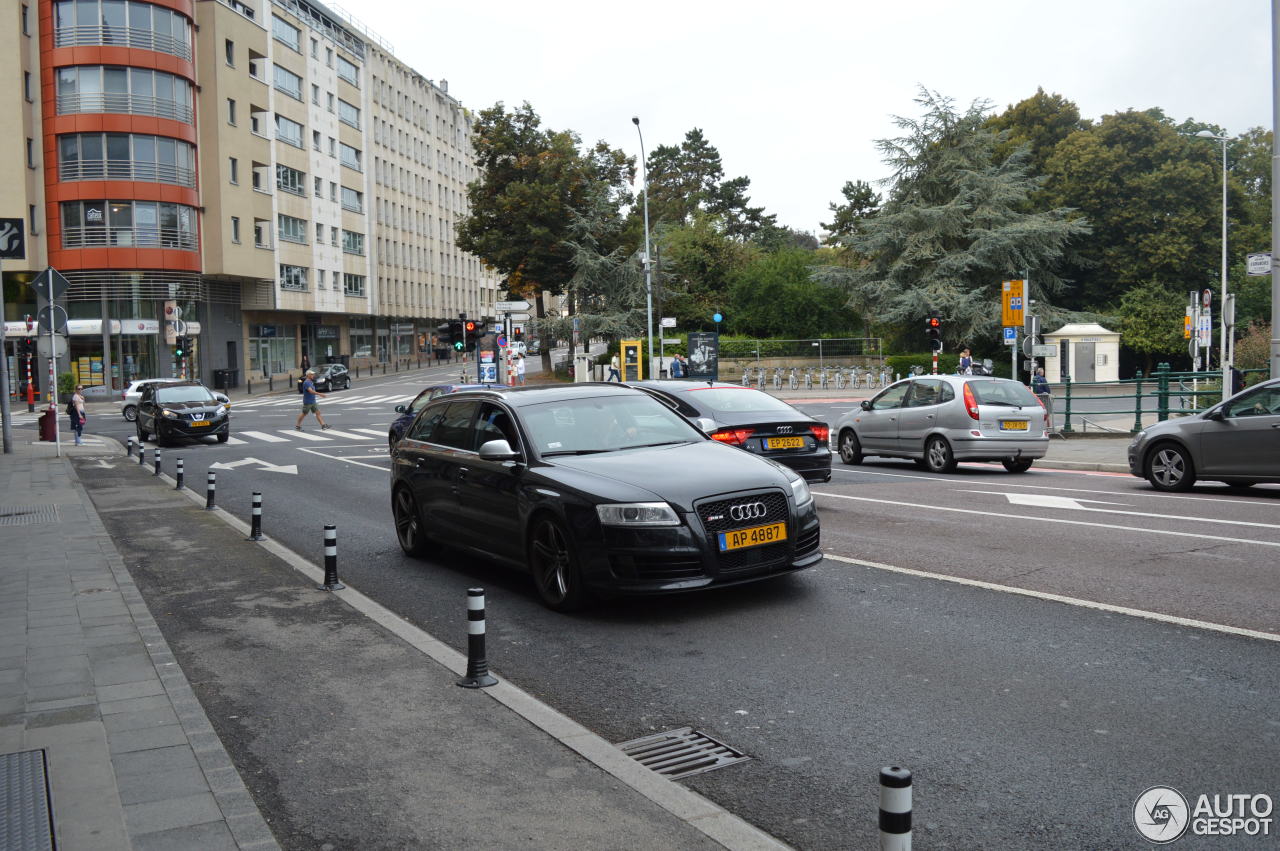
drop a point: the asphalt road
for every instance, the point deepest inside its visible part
(1028, 721)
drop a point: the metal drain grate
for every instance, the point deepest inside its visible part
(24, 802)
(27, 515)
(681, 753)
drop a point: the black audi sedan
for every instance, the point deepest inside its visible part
(405, 414)
(752, 420)
(184, 409)
(596, 490)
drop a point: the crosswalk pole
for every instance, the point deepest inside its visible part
(142, 455)
(210, 487)
(178, 486)
(255, 525)
(331, 582)
(895, 809)
(157, 472)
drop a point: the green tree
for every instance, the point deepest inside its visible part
(1150, 320)
(860, 203)
(953, 226)
(1040, 122)
(697, 264)
(775, 296)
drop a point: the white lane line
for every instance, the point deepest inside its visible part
(372, 431)
(1067, 503)
(1059, 598)
(307, 435)
(235, 441)
(1142, 493)
(333, 432)
(329, 457)
(263, 436)
(991, 514)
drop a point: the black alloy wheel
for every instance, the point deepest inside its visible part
(408, 521)
(937, 455)
(850, 448)
(1169, 468)
(130, 413)
(1016, 465)
(554, 566)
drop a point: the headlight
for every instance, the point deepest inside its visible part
(637, 514)
(165, 412)
(800, 490)
(1137, 438)
(222, 409)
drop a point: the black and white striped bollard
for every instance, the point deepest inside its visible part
(142, 455)
(209, 490)
(477, 665)
(157, 470)
(255, 522)
(128, 449)
(178, 486)
(895, 809)
(331, 582)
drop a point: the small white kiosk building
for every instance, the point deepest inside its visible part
(1086, 352)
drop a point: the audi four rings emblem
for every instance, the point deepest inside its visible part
(748, 511)
(784, 429)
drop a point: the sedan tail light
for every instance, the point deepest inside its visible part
(1045, 409)
(970, 403)
(820, 433)
(733, 436)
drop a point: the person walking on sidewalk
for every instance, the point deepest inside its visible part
(1039, 385)
(614, 374)
(309, 404)
(75, 410)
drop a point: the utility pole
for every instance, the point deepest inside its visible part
(1275, 181)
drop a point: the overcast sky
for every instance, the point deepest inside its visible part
(795, 94)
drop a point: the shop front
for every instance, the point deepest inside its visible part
(273, 349)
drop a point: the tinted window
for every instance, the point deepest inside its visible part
(925, 392)
(424, 428)
(891, 398)
(1265, 401)
(495, 424)
(190, 393)
(455, 429)
(1001, 393)
(421, 401)
(603, 424)
(736, 400)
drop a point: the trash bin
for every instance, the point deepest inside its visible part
(220, 379)
(48, 424)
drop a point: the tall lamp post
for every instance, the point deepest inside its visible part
(1222, 305)
(648, 273)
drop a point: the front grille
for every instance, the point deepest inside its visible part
(808, 542)
(655, 568)
(715, 515)
(753, 560)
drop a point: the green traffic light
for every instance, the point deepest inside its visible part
(458, 346)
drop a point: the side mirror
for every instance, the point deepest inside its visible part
(226, 400)
(1215, 414)
(497, 450)
(866, 404)
(400, 409)
(706, 424)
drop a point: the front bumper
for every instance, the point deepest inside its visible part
(186, 428)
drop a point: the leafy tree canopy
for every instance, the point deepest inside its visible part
(860, 203)
(775, 296)
(1150, 319)
(1040, 122)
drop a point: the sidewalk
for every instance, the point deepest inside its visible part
(344, 720)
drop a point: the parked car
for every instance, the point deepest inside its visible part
(752, 420)
(182, 409)
(1236, 442)
(130, 395)
(596, 489)
(332, 376)
(535, 347)
(939, 420)
(406, 413)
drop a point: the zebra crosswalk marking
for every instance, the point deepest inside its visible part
(371, 431)
(263, 436)
(333, 432)
(306, 435)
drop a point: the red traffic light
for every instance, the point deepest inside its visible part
(934, 322)
(471, 326)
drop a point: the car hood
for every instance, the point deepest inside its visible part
(679, 474)
(1186, 426)
(189, 407)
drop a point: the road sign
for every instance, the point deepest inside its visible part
(519, 317)
(1012, 302)
(1206, 297)
(59, 348)
(509, 306)
(57, 317)
(502, 342)
(1044, 351)
(670, 341)
(1186, 325)
(1011, 336)
(1259, 264)
(13, 239)
(40, 283)
(668, 322)
(1206, 328)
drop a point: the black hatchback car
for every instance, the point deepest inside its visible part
(184, 409)
(596, 489)
(332, 376)
(752, 420)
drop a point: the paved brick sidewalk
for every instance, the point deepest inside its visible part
(86, 676)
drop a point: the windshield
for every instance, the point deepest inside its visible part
(171, 395)
(1002, 393)
(604, 424)
(738, 400)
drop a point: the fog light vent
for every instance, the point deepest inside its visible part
(681, 753)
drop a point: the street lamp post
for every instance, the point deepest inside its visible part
(1223, 359)
(648, 272)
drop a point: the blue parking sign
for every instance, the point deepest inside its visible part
(1010, 336)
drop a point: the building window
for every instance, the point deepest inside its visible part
(231, 111)
(31, 153)
(350, 157)
(348, 114)
(315, 49)
(291, 229)
(32, 219)
(235, 229)
(353, 285)
(293, 277)
(315, 139)
(290, 180)
(144, 224)
(328, 57)
(229, 49)
(112, 22)
(135, 91)
(319, 187)
(330, 100)
(315, 94)
(289, 131)
(288, 82)
(261, 233)
(319, 233)
(25, 25)
(235, 169)
(256, 63)
(333, 192)
(285, 33)
(333, 236)
(124, 156)
(352, 242)
(26, 85)
(333, 147)
(319, 279)
(348, 71)
(352, 200)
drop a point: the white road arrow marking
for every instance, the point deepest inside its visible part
(291, 469)
(102, 462)
(1047, 501)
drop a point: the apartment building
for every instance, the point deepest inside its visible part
(262, 176)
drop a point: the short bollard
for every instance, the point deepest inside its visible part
(157, 471)
(129, 448)
(331, 582)
(209, 490)
(142, 455)
(178, 474)
(255, 522)
(895, 809)
(477, 665)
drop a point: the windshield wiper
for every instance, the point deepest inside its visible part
(574, 452)
(660, 443)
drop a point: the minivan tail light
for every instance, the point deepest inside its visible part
(970, 403)
(732, 436)
(820, 433)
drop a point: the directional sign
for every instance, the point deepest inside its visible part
(668, 322)
(291, 469)
(13, 237)
(670, 341)
(1044, 351)
(517, 317)
(1259, 264)
(40, 283)
(510, 306)
(1011, 305)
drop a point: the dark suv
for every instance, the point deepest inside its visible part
(184, 409)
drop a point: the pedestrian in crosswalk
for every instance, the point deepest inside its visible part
(309, 404)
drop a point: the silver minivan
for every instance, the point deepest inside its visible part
(938, 420)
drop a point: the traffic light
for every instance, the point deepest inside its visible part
(180, 347)
(444, 336)
(470, 325)
(933, 330)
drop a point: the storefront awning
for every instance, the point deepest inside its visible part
(92, 327)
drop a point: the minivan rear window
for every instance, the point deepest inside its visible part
(1002, 392)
